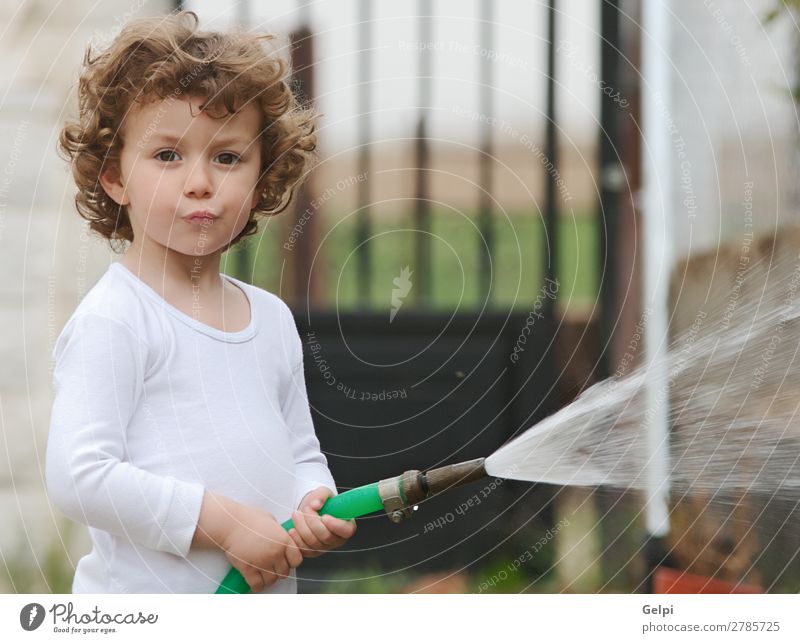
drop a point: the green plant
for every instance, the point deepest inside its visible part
(51, 573)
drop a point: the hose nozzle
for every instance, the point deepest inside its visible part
(453, 475)
(401, 493)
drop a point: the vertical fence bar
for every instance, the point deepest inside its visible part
(305, 282)
(612, 181)
(244, 257)
(363, 254)
(551, 150)
(486, 243)
(422, 216)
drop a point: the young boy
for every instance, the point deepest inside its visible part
(180, 431)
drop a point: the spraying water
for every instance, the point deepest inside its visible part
(731, 384)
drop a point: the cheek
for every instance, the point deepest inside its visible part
(242, 219)
(246, 192)
(152, 188)
(161, 183)
(154, 201)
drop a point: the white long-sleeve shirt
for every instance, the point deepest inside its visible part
(152, 407)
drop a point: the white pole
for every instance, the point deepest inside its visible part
(657, 255)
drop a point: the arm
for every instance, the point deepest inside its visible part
(99, 379)
(217, 515)
(253, 541)
(311, 466)
(314, 483)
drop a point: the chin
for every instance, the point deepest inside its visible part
(194, 250)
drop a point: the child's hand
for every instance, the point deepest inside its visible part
(314, 534)
(259, 547)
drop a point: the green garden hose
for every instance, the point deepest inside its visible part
(397, 496)
(350, 504)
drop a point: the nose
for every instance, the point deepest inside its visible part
(198, 181)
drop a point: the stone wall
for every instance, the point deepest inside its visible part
(48, 263)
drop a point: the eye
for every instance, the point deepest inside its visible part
(160, 157)
(233, 158)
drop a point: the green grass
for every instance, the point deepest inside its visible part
(518, 261)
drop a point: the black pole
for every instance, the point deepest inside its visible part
(245, 263)
(612, 181)
(363, 258)
(422, 214)
(486, 243)
(551, 143)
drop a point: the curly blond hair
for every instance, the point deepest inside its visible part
(163, 57)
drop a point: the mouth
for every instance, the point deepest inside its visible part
(200, 217)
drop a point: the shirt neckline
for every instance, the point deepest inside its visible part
(246, 333)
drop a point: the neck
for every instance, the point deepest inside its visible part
(165, 269)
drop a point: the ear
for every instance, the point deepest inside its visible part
(111, 180)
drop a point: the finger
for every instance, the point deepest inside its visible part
(309, 503)
(305, 550)
(301, 523)
(294, 557)
(269, 578)
(341, 528)
(322, 494)
(334, 541)
(315, 500)
(310, 546)
(296, 539)
(254, 579)
(321, 531)
(282, 567)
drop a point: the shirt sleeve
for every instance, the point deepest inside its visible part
(98, 382)
(311, 466)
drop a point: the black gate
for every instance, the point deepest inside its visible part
(432, 388)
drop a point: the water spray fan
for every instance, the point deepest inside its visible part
(396, 496)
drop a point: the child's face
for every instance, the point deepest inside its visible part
(173, 164)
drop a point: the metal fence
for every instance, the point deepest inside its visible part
(428, 387)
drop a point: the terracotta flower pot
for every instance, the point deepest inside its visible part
(674, 581)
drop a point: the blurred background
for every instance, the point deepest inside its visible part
(480, 165)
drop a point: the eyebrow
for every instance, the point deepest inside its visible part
(172, 138)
